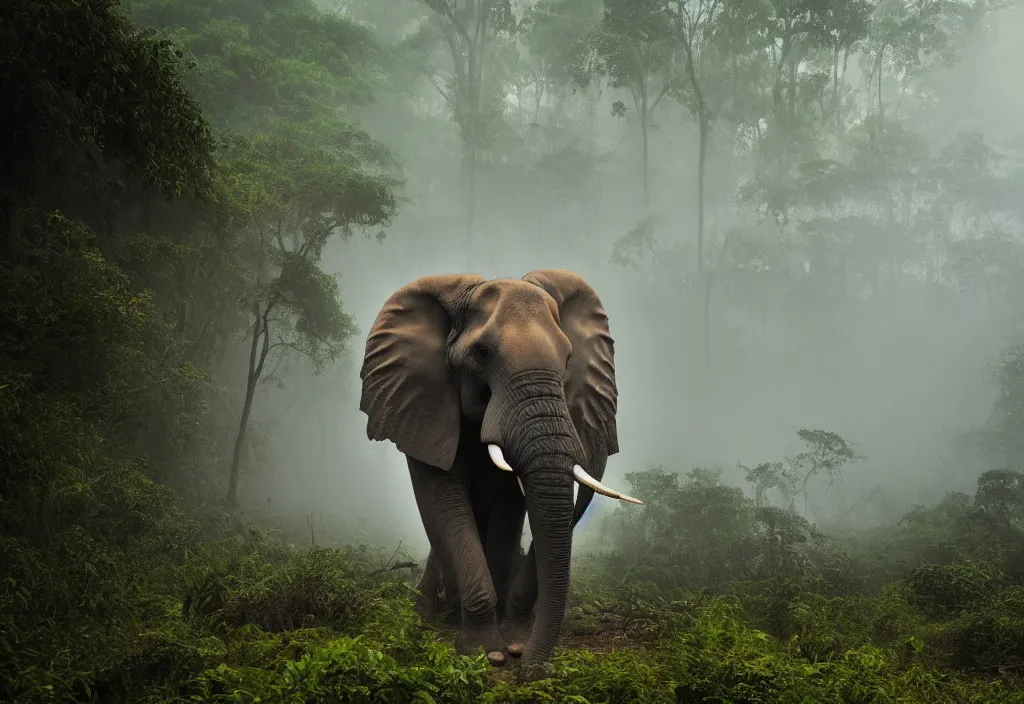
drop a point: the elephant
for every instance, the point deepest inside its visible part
(499, 393)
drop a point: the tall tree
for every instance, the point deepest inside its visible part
(307, 197)
(910, 38)
(635, 45)
(557, 35)
(695, 24)
(468, 29)
(295, 171)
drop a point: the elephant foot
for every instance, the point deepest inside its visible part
(516, 633)
(470, 640)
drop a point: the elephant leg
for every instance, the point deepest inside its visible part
(429, 603)
(439, 583)
(445, 606)
(505, 531)
(429, 587)
(447, 514)
(450, 603)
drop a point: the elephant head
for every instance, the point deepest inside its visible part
(529, 364)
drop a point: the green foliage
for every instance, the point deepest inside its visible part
(97, 391)
(277, 590)
(250, 618)
(287, 179)
(313, 297)
(126, 251)
(112, 88)
(702, 533)
(987, 637)
(559, 33)
(294, 171)
(943, 590)
(261, 61)
(468, 34)
(636, 44)
(762, 607)
(78, 501)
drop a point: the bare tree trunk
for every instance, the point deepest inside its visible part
(476, 48)
(704, 124)
(257, 357)
(881, 111)
(646, 163)
(641, 102)
(881, 61)
(705, 127)
(472, 98)
(469, 193)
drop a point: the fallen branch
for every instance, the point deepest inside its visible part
(396, 566)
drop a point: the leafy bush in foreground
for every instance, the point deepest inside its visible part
(250, 618)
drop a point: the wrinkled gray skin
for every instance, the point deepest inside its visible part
(516, 588)
(454, 363)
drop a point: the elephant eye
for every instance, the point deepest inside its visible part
(480, 353)
(567, 359)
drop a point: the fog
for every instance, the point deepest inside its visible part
(899, 373)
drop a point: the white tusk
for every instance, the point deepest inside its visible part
(499, 461)
(575, 498)
(582, 477)
(497, 458)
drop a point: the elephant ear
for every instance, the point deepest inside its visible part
(590, 387)
(410, 395)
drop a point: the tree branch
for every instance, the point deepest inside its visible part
(446, 11)
(444, 94)
(396, 566)
(664, 91)
(457, 59)
(266, 335)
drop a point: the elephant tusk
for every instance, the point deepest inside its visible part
(499, 461)
(575, 493)
(582, 477)
(497, 458)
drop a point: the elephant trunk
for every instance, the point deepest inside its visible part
(549, 506)
(536, 430)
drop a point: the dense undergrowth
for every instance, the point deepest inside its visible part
(249, 617)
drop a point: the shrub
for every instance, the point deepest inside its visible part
(946, 590)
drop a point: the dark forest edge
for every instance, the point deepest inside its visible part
(141, 206)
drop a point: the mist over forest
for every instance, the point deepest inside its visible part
(804, 218)
(828, 312)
